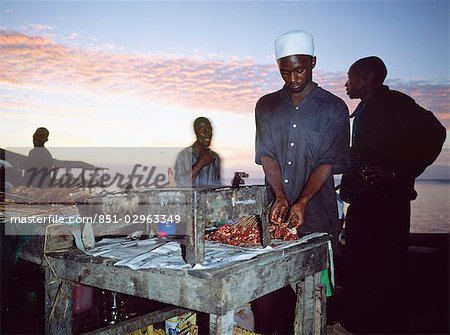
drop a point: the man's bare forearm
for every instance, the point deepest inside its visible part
(314, 184)
(272, 172)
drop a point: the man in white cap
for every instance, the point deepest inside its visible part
(302, 138)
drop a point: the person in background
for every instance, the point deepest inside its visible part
(302, 138)
(394, 140)
(39, 165)
(198, 164)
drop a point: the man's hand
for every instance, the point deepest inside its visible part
(296, 216)
(279, 210)
(377, 174)
(206, 157)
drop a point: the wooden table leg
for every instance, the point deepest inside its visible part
(58, 304)
(310, 309)
(299, 319)
(195, 232)
(221, 324)
(320, 315)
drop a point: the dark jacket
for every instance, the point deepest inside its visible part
(392, 131)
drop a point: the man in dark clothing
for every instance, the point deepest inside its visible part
(302, 137)
(394, 140)
(40, 161)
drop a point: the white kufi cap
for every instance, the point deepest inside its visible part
(294, 42)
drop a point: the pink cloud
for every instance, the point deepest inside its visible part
(232, 86)
(432, 96)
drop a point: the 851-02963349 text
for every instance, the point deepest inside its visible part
(135, 218)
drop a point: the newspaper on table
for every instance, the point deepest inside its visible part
(160, 253)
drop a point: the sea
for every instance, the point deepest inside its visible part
(430, 212)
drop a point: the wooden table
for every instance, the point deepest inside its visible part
(218, 291)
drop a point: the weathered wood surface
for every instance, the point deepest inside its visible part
(139, 322)
(58, 304)
(222, 324)
(310, 310)
(214, 291)
(211, 291)
(320, 318)
(195, 231)
(58, 310)
(198, 208)
(58, 238)
(299, 318)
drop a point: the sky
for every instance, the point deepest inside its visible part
(137, 73)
